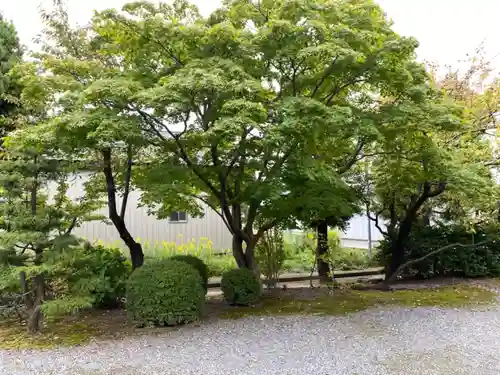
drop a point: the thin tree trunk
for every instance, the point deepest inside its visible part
(27, 298)
(34, 189)
(322, 251)
(34, 320)
(136, 253)
(35, 315)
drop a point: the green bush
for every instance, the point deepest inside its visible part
(217, 261)
(456, 261)
(346, 259)
(98, 271)
(197, 263)
(167, 292)
(300, 252)
(240, 287)
(218, 264)
(270, 254)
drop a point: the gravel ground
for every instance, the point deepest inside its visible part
(397, 341)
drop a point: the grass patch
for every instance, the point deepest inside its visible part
(15, 336)
(349, 301)
(68, 331)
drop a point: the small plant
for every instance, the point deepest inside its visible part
(241, 287)
(197, 263)
(270, 254)
(165, 293)
(300, 252)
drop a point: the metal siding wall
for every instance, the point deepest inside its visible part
(148, 228)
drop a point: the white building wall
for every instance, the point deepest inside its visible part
(147, 228)
(358, 234)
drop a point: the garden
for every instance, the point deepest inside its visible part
(296, 254)
(278, 116)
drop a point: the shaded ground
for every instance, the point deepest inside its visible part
(297, 298)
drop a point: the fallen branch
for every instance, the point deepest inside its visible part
(410, 262)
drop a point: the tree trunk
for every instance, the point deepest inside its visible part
(397, 258)
(250, 260)
(238, 253)
(244, 259)
(135, 248)
(35, 315)
(34, 320)
(322, 251)
(398, 247)
(136, 255)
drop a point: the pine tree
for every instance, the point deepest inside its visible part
(10, 54)
(36, 226)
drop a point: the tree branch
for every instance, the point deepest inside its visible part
(353, 158)
(71, 227)
(430, 193)
(340, 88)
(174, 58)
(264, 228)
(128, 176)
(325, 74)
(180, 148)
(375, 220)
(213, 207)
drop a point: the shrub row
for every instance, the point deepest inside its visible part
(477, 261)
(172, 291)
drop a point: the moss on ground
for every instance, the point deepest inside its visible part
(112, 324)
(349, 301)
(15, 336)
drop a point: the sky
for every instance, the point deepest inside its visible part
(446, 29)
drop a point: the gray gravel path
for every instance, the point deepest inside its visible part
(423, 341)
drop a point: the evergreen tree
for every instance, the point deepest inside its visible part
(36, 226)
(10, 54)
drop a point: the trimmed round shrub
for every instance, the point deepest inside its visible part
(197, 263)
(241, 287)
(164, 293)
